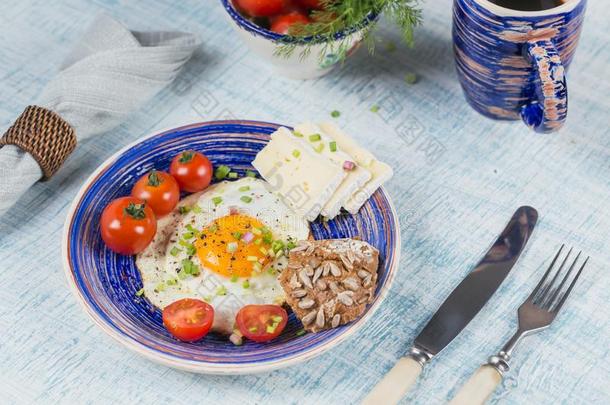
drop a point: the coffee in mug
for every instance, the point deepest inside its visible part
(528, 5)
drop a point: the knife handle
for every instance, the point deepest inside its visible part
(396, 383)
(479, 387)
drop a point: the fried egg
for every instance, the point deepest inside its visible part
(224, 245)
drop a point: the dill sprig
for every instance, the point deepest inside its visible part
(337, 16)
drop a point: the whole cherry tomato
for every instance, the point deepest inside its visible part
(160, 191)
(188, 319)
(128, 225)
(192, 170)
(315, 4)
(282, 23)
(262, 8)
(261, 323)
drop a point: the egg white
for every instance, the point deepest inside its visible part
(226, 295)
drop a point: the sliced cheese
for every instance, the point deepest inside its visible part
(380, 172)
(302, 177)
(354, 180)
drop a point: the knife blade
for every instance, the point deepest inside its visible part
(459, 308)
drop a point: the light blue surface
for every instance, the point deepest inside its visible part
(458, 179)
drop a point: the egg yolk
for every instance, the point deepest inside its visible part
(224, 246)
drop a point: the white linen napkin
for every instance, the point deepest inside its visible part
(108, 75)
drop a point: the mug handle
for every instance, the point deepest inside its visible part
(548, 109)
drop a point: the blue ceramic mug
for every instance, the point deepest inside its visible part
(511, 64)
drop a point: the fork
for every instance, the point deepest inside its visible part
(535, 314)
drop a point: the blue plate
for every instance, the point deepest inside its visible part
(106, 283)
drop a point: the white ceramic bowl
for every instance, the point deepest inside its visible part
(316, 63)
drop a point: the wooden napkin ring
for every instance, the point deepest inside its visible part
(43, 134)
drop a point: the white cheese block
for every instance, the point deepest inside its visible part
(354, 180)
(305, 182)
(380, 172)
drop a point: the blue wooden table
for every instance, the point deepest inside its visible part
(458, 179)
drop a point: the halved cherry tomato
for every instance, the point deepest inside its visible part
(188, 319)
(192, 170)
(316, 4)
(262, 8)
(128, 225)
(159, 189)
(261, 322)
(282, 24)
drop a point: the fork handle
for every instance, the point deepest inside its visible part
(479, 387)
(396, 383)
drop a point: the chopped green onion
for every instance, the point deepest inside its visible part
(276, 318)
(319, 147)
(184, 209)
(270, 253)
(277, 245)
(221, 172)
(207, 298)
(253, 328)
(140, 292)
(252, 259)
(263, 250)
(258, 241)
(182, 275)
(213, 228)
(296, 153)
(375, 108)
(332, 145)
(291, 245)
(246, 284)
(411, 78)
(244, 188)
(187, 235)
(196, 209)
(174, 252)
(171, 281)
(160, 287)
(315, 137)
(222, 290)
(257, 231)
(271, 270)
(191, 228)
(217, 200)
(232, 247)
(232, 175)
(237, 235)
(268, 238)
(335, 114)
(271, 328)
(190, 268)
(301, 332)
(250, 173)
(234, 278)
(297, 134)
(246, 199)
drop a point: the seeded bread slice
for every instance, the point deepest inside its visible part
(329, 282)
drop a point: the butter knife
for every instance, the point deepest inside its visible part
(460, 307)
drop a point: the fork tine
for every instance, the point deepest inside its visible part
(549, 303)
(541, 282)
(547, 288)
(565, 295)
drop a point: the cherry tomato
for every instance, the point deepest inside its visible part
(192, 170)
(262, 8)
(261, 322)
(315, 4)
(160, 191)
(128, 225)
(282, 24)
(188, 319)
